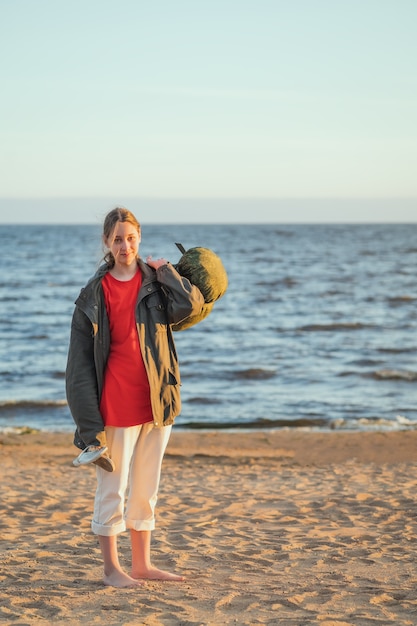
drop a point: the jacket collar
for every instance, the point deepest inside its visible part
(91, 295)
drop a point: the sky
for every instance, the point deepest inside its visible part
(208, 110)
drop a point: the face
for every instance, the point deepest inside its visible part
(124, 243)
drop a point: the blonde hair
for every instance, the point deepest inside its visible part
(116, 215)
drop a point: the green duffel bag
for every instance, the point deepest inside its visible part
(205, 270)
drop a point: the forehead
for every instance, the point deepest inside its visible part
(124, 229)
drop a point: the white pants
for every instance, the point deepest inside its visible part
(137, 453)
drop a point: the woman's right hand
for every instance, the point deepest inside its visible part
(155, 264)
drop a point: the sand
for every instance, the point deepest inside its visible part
(291, 528)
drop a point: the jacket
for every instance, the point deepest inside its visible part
(165, 298)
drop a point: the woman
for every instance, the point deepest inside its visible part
(122, 383)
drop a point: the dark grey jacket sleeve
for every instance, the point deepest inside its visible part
(183, 298)
(81, 382)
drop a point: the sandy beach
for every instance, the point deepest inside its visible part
(278, 527)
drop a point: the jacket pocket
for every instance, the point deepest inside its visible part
(157, 310)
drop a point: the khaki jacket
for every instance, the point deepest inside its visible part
(165, 298)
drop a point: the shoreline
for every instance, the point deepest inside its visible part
(269, 528)
(287, 446)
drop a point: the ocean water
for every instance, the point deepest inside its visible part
(318, 328)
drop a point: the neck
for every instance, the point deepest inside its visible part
(124, 272)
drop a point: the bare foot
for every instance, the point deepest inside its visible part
(153, 573)
(118, 578)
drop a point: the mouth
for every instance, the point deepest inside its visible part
(127, 256)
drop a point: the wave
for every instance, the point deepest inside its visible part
(203, 400)
(254, 373)
(388, 374)
(9, 406)
(366, 362)
(367, 423)
(287, 281)
(397, 350)
(17, 298)
(331, 292)
(384, 374)
(399, 300)
(18, 430)
(335, 327)
(258, 424)
(284, 233)
(58, 374)
(308, 423)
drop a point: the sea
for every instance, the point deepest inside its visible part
(317, 330)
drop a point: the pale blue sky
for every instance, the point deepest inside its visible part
(252, 99)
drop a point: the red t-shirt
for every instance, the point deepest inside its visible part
(125, 400)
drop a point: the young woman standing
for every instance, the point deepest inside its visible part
(122, 382)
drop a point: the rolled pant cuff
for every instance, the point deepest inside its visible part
(107, 531)
(140, 524)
